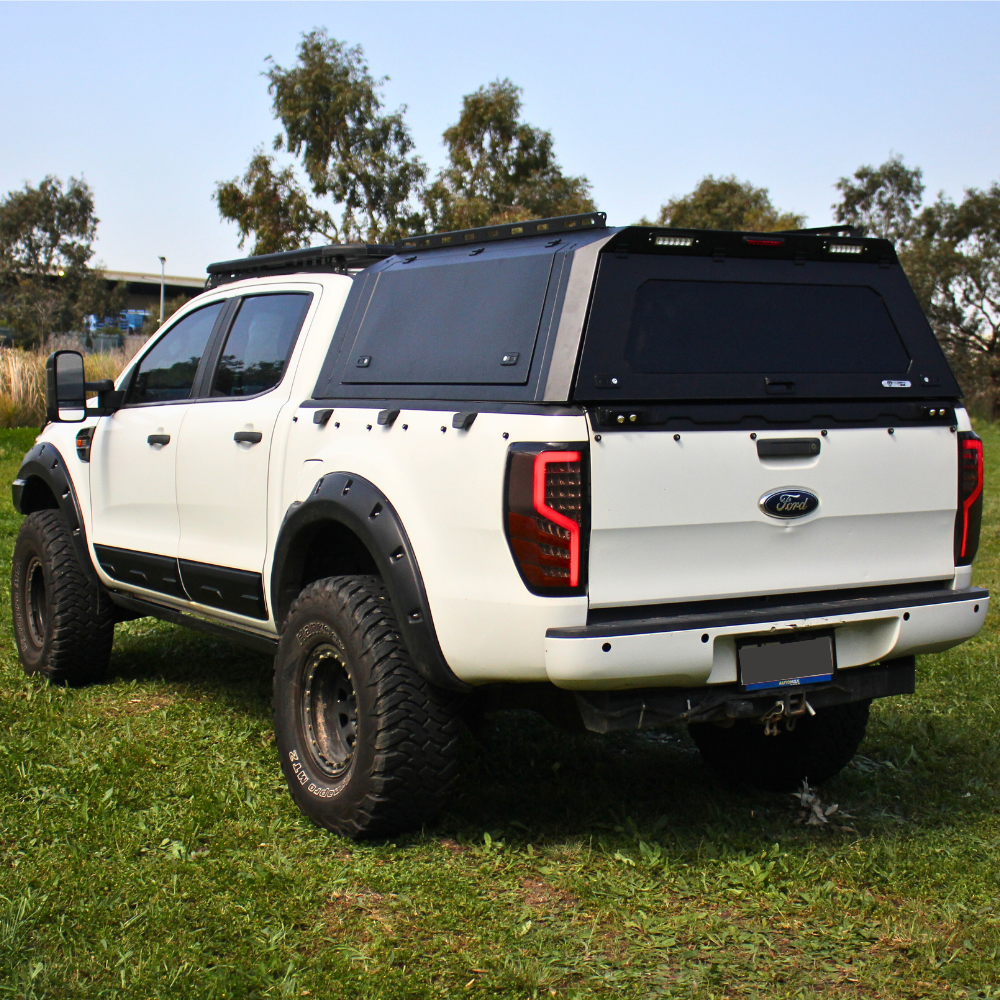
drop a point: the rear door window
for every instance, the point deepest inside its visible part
(259, 344)
(739, 327)
(167, 373)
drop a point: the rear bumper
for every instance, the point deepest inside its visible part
(692, 650)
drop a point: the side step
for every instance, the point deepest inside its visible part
(150, 609)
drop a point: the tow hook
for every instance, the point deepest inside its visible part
(790, 707)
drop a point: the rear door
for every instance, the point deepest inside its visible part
(676, 520)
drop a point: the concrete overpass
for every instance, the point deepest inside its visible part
(144, 288)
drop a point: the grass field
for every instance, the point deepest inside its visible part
(22, 376)
(148, 848)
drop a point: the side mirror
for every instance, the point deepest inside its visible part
(66, 390)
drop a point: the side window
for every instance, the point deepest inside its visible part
(167, 372)
(259, 343)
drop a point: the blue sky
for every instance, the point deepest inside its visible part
(154, 102)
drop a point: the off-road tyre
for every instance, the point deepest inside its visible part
(819, 747)
(367, 745)
(64, 625)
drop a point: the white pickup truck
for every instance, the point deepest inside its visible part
(631, 477)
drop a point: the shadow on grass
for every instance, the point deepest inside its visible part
(149, 651)
(531, 783)
(526, 781)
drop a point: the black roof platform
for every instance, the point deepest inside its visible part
(340, 258)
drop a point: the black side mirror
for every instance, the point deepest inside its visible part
(66, 390)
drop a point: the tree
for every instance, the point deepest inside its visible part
(959, 246)
(951, 255)
(500, 169)
(271, 208)
(883, 201)
(886, 202)
(330, 111)
(725, 203)
(46, 244)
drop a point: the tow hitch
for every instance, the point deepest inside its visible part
(790, 707)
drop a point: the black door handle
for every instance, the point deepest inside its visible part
(248, 437)
(158, 439)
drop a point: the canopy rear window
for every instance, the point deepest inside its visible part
(690, 327)
(679, 326)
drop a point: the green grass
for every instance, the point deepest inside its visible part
(148, 848)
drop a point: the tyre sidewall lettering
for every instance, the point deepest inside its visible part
(311, 630)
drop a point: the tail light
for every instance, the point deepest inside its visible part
(969, 517)
(545, 515)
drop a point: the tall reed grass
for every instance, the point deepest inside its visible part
(22, 378)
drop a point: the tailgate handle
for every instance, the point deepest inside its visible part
(787, 447)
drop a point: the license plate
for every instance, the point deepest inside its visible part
(786, 661)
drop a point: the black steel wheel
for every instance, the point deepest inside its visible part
(36, 602)
(329, 708)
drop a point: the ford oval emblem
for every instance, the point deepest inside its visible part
(789, 503)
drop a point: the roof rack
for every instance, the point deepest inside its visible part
(508, 231)
(337, 257)
(342, 257)
(854, 232)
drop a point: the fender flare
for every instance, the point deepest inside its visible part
(44, 464)
(361, 507)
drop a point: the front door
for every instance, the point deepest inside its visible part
(223, 456)
(133, 459)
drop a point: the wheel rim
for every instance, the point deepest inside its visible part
(36, 603)
(329, 711)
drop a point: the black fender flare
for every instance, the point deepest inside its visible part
(361, 507)
(44, 465)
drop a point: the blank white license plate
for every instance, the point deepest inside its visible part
(785, 662)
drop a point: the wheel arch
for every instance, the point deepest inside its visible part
(347, 525)
(43, 483)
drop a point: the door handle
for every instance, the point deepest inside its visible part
(248, 437)
(158, 439)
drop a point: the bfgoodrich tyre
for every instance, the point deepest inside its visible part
(367, 745)
(63, 625)
(819, 747)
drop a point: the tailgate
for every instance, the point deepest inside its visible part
(680, 519)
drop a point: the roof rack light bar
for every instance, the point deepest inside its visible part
(335, 257)
(507, 231)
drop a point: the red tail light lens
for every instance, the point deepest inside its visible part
(545, 516)
(969, 517)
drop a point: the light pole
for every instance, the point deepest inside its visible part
(163, 282)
